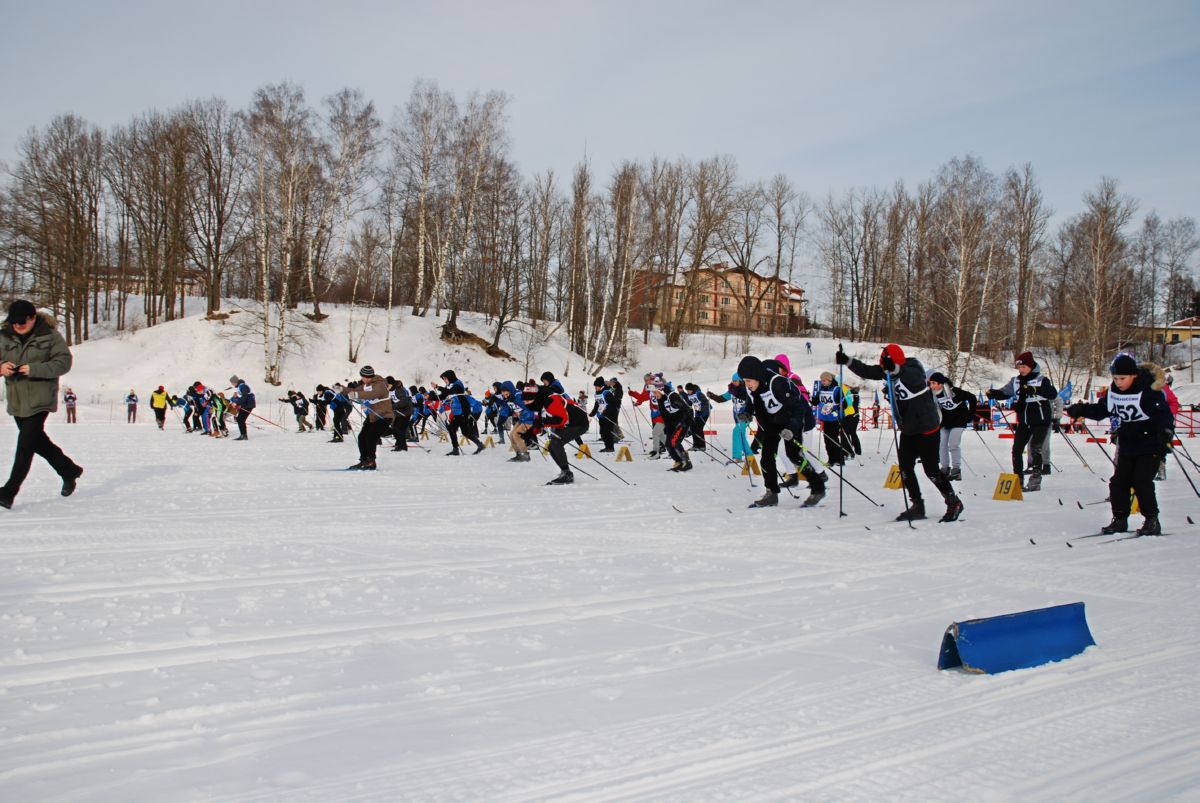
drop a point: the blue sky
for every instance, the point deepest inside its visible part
(834, 95)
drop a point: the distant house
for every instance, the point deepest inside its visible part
(134, 280)
(717, 298)
(1180, 331)
(1051, 335)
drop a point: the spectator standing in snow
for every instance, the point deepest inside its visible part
(69, 401)
(131, 403)
(33, 355)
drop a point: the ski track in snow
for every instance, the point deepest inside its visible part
(201, 621)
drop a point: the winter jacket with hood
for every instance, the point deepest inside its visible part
(783, 360)
(45, 352)
(1142, 414)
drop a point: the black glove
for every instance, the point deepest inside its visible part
(1168, 438)
(714, 397)
(991, 394)
(1028, 390)
(1074, 411)
(841, 358)
(887, 363)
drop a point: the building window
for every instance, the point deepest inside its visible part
(724, 319)
(770, 305)
(761, 321)
(704, 316)
(725, 301)
(679, 295)
(704, 299)
(1174, 337)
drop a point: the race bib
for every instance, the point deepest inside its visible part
(1126, 407)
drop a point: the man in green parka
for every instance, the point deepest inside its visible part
(33, 355)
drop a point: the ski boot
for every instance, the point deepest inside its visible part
(687, 464)
(814, 497)
(790, 481)
(954, 508)
(1033, 483)
(453, 453)
(769, 499)
(955, 474)
(1119, 524)
(479, 449)
(1150, 526)
(915, 512)
(565, 478)
(519, 457)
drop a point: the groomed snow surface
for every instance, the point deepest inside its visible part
(220, 620)
(216, 620)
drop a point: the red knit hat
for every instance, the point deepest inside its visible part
(1025, 358)
(893, 351)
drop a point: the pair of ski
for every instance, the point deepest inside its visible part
(1119, 537)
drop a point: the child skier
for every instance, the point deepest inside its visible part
(1032, 395)
(958, 407)
(919, 421)
(742, 413)
(1146, 430)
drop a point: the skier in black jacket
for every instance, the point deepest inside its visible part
(1145, 429)
(677, 418)
(1032, 395)
(958, 406)
(779, 410)
(920, 422)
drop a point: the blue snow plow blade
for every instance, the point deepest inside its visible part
(1016, 640)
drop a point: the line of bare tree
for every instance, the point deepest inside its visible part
(968, 264)
(283, 207)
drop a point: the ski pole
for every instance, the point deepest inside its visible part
(588, 455)
(1097, 442)
(809, 452)
(577, 468)
(896, 442)
(841, 431)
(983, 440)
(1185, 474)
(638, 425)
(1075, 449)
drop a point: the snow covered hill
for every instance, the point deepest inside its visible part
(214, 620)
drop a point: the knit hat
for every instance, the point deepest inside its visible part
(598, 382)
(736, 377)
(449, 376)
(939, 377)
(20, 311)
(547, 377)
(691, 387)
(1025, 358)
(893, 351)
(752, 368)
(1123, 365)
(366, 370)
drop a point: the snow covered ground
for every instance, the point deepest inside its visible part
(213, 620)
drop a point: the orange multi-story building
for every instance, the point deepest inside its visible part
(717, 297)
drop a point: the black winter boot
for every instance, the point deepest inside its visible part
(769, 499)
(915, 512)
(1150, 526)
(1119, 524)
(954, 508)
